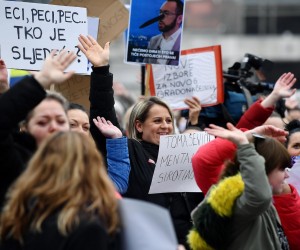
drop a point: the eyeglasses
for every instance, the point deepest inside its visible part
(167, 13)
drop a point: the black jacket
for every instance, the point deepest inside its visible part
(88, 235)
(143, 156)
(102, 103)
(141, 173)
(16, 148)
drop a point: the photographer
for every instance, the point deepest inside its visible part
(243, 86)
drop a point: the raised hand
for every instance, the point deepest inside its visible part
(231, 133)
(283, 86)
(53, 68)
(268, 130)
(194, 109)
(3, 77)
(282, 89)
(107, 128)
(97, 55)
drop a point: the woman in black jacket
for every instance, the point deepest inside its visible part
(149, 120)
(43, 114)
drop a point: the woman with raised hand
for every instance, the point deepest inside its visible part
(63, 200)
(102, 105)
(149, 119)
(42, 113)
(208, 168)
(237, 212)
(101, 91)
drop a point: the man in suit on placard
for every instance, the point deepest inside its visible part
(170, 26)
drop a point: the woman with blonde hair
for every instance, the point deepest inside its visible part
(63, 200)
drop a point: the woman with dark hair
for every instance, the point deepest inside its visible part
(78, 118)
(293, 138)
(237, 212)
(287, 203)
(44, 114)
(117, 167)
(102, 105)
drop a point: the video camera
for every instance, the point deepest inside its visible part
(241, 72)
(241, 89)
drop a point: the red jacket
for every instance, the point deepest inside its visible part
(209, 159)
(288, 208)
(208, 163)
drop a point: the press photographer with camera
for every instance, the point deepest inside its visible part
(244, 84)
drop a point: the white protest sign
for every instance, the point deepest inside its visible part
(173, 170)
(93, 27)
(31, 31)
(199, 74)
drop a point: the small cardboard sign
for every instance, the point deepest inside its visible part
(76, 90)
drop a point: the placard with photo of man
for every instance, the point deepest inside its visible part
(155, 31)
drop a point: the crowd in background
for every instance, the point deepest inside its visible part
(63, 169)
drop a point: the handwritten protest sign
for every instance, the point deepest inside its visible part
(77, 88)
(173, 171)
(32, 31)
(199, 73)
(112, 13)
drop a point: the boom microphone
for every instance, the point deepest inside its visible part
(153, 20)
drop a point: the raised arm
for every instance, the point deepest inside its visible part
(260, 111)
(208, 161)
(15, 103)
(24, 96)
(101, 92)
(282, 89)
(257, 194)
(52, 71)
(118, 163)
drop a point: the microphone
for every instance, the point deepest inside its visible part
(153, 20)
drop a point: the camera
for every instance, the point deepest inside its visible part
(251, 61)
(240, 74)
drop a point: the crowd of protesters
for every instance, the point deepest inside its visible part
(63, 170)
